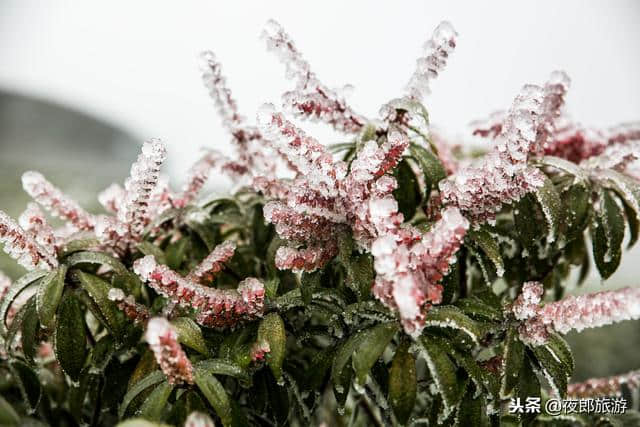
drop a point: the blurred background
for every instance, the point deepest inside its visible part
(82, 83)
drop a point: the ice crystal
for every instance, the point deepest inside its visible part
(259, 351)
(199, 419)
(212, 264)
(602, 387)
(163, 341)
(311, 98)
(435, 56)
(57, 203)
(111, 198)
(216, 307)
(23, 247)
(574, 312)
(33, 221)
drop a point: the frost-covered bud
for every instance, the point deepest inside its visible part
(603, 387)
(213, 263)
(111, 198)
(32, 221)
(139, 186)
(216, 307)
(526, 304)
(434, 59)
(199, 419)
(22, 247)
(54, 201)
(138, 313)
(215, 82)
(163, 341)
(259, 350)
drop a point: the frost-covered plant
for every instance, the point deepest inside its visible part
(390, 280)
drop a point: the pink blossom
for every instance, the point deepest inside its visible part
(259, 350)
(21, 246)
(213, 263)
(163, 341)
(56, 202)
(111, 198)
(310, 99)
(216, 307)
(305, 259)
(607, 386)
(574, 312)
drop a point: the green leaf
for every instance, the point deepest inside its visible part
(407, 192)
(175, 253)
(29, 327)
(96, 258)
(49, 295)
(16, 323)
(215, 394)
(139, 422)
(577, 200)
(14, 290)
(70, 337)
(561, 350)
(554, 370)
(272, 331)
(443, 372)
(8, 415)
(549, 200)
(481, 377)
(151, 379)
(403, 383)
(485, 241)
(526, 221)
(28, 384)
(371, 348)
(476, 308)
(308, 283)
(98, 291)
(565, 166)
(473, 412)
(431, 167)
(528, 386)
(360, 275)
(513, 357)
(449, 316)
(607, 233)
(156, 402)
(222, 367)
(189, 334)
(628, 190)
(340, 373)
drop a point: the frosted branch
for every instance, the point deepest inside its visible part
(311, 99)
(163, 341)
(21, 246)
(217, 307)
(602, 387)
(55, 201)
(213, 263)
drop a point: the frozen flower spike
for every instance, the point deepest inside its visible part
(138, 313)
(32, 220)
(21, 246)
(212, 264)
(407, 273)
(216, 307)
(602, 387)
(310, 99)
(111, 198)
(574, 312)
(57, 203)
(163, 341)
(436, 53)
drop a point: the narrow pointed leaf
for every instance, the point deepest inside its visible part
(8, 415)
(513, 357)
(28, 384)
(443, 372)
(403, 383)
(189, 334)
(29, 328)
(452, 317)
(431, 167)
(70, 337)
(272, 331)
(371, 348)
(554, 370)
(14, 290)
(408, 191)
(607, 233)
(216, 395)
(549, 200)
(156, 403)
(98, 290)
(488, 244)
(49, 295)
(151, 379)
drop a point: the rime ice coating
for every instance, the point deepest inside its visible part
(408, 272)
(503, 175)
(199, 419)
(163, 341)
(436, 53)
(574, 312)
(111, 198)
(138, 313)
(33, 221)
(22, 247)
(607, 386)
(212, 264)
(216, 307)
(310, 99)
(57, 203)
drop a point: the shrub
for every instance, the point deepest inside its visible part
(395, 279)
